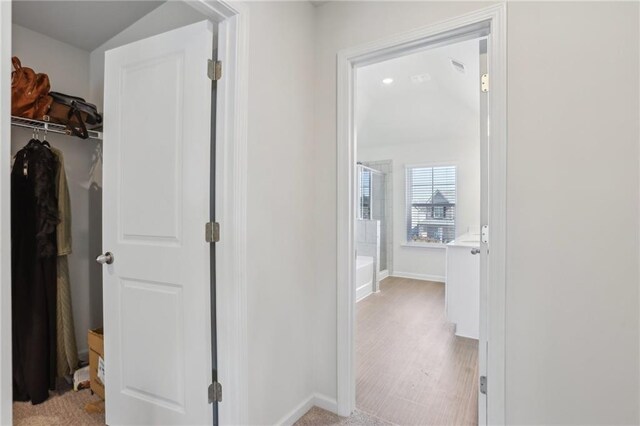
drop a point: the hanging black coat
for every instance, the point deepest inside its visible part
(34, 215)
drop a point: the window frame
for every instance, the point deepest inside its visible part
(407, 208)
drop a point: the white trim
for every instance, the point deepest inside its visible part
(382, 275)
(231, 141)
(294, 415)
(422, 277)
(324, 402)
(364, 291)
(317, 400)
(431, 164)
(231, 206)
(6, 379)
(437, 246)
(348, 60)
(497, 262)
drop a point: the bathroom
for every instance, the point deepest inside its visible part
(418, 222)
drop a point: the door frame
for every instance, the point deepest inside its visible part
(231, 164)
(493, 17)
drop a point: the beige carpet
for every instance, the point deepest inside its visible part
(319, 417)
(66, 409)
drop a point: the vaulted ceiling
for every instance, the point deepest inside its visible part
(84, 24)
(429, 98)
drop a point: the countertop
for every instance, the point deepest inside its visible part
(468, 240)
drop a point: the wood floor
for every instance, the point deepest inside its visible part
(411, 368)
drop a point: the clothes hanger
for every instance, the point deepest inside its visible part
(45, 142)
(34, 139)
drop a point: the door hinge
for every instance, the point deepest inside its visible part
(483, 385)
(214, 70)
(484, 82)
(215, 392)
(212, 232)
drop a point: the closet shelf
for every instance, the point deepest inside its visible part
(50, 127)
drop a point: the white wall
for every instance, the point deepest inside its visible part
(68, 70)
(280, 207)
(422, 262)
(572, 271)
(572, 284)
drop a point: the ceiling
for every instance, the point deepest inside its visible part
(428, 100)
(84, 24)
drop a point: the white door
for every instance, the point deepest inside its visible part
(483, 345)
(157, 313)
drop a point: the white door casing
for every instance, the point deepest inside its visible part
(494, 19)
(157, 313)
(483, 341)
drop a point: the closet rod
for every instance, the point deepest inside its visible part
(50, 127)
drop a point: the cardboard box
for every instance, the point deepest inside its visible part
(96, 351)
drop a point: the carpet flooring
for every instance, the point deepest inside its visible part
(60, 409)
(319, 417)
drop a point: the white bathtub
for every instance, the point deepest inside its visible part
(364, 277)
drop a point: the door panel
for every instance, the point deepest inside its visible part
(157, 151)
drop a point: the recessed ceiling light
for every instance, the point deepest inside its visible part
(387, 81)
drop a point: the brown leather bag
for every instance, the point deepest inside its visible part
(29, 92)
(74, 112)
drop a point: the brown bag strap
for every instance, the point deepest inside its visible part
(76, 127)
(16, 63)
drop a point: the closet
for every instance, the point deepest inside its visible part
(132, 190)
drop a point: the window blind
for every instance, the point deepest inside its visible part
(365, 194)
(431, 204)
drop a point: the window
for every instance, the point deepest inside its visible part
(364, 189)
(431, 204)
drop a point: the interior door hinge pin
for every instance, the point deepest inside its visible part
(212, 232)
(214, 70)
(215, 392)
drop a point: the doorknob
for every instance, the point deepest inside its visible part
(475, 250)
(105, 258)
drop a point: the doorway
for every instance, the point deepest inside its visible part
(485, 24)
(208, 15)
(418, 149)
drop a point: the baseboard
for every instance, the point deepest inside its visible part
(326, 403)
(423, 277)
(294, 415)
(383, 274)
(364, 291)
(317, 400)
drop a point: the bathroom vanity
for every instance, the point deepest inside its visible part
(463, 285)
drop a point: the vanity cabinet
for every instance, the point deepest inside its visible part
(463, 287)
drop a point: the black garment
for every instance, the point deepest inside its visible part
(34, 215)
